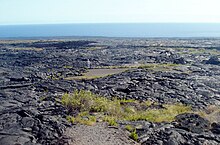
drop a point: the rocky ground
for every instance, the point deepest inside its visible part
(33, 78)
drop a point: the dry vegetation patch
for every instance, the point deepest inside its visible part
(89, 108)
(26, 49)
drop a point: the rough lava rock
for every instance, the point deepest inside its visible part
(32, 81)
(178, 132)
(213, 60)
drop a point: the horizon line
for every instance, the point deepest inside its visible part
(22, 24)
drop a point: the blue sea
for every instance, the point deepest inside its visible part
(112, 30)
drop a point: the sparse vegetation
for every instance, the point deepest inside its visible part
(25, 49)
(211, 113)
(159, 115)
(129, 128)
(134, 135)
(70, 119)
(158, 66)
(116, 67)
(83, 77)
(112, 110)
(141, 65)
(111, 120)
(67, 66)
(42, 98)
(100, 72)
(197, 51)
(87, 120)
(104, 71)
(95, 48)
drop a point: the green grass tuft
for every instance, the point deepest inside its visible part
(111, 121)
(134, 135)
(129, 128)
(87, 103)
(70, 119)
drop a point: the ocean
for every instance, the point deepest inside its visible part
(113, 30)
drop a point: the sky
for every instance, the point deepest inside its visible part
(108, 11)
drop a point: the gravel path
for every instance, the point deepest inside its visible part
(100, 134)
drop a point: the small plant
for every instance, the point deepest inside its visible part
(128, 101)
(86, 120)
(94, 48)
(129, 128)
(82, 118)
(67, 67)
(42, 98)
(148, 103)
(70, 119)
(129, 109)
(111, 121)
(134, 135)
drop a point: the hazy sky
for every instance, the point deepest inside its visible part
(108, 11)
